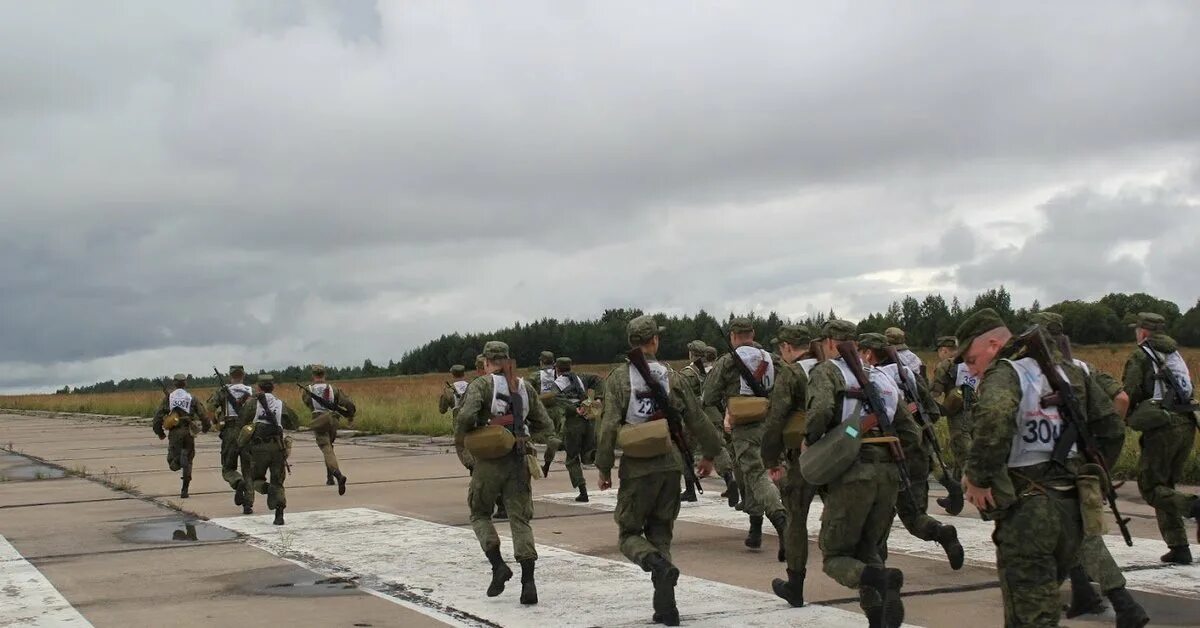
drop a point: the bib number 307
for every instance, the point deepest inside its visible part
(1042, 431)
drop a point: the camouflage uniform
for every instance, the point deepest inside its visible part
(267, 447)
(181, 441)
(542, 381)
(694, 374)
(789, 396)
(956, 389)
(578, 437)
(1038, 524)
(326, 435)
(227, 417)
(1165, 447)
(760, 496)
(506, 477)
(450, 400)
(648, 496)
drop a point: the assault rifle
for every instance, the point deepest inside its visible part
(233, 401)
(329, 406)
(278, 421)
(1178, 400)
(1076, 431)
(516, 406)
(674, 421)
(747, 375)
(911, 390)
(874, 403)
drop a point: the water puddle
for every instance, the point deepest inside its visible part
(17, 468)
(175, 529)
(291, 581)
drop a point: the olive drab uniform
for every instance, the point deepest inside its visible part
(694, 374)
(956, 387)
(1168, 435)
(267, 447)
(450, 401)
(225, 402)
(190, 419)
(325, 425)
(760, 496)
(542, 381)
(488, 402)
(578, 439)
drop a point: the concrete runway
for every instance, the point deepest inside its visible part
(397, 549)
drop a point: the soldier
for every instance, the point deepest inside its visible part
(897, 338)
(542, 381)
(1094, 557)
(727, 386)
(954, 384)
(913, 512)
(693, 375)
(227, 403)
(1165, 415)
(577, 437)
(648, 498)
(490, 402)
(789, 398)
(1011, 476)
(451, 399)
(179, 414)
(267, 446)
(325, 422)
(861, 503)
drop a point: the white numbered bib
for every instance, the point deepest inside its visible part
(641, 403)
(238, 392)
(1038, 428)
(276, 406)
(754, 358)
(180, 400)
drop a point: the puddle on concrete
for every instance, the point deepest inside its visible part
(290, 581)
(17, 468)
(175, 529)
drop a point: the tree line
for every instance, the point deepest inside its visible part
(602, 340)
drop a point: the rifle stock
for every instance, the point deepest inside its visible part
(674, 421)
(328, 405)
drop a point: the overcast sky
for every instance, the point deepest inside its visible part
(185, 184)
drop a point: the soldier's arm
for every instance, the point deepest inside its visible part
(822, 403)
(1103, 421)
(307, 398)
(698, 425)
(995, 423)
(1134, 378)
(344, 400)
(290, 420)
(714, 385)
(445, 401)
(159, 415)
(539, 421)
(781, 402)
(465, 420)
(200, 412)
(615, 401)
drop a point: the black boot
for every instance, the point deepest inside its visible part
(1179, 555)
(741, 506)
(239, 497)
(688, 494)
(546, 469)
(278, 516)
(779, 522)
(731, 494)
(947, 537)
(500, 572)
(1130, 614)
(183, 492)
(583, 496)
(887, 583)
(1084, 599)
(528, 588)
(944, 503)
(341, 482)
(247, 509)
(664, 575)
(754, 537)
(791, 589)
(328, 477)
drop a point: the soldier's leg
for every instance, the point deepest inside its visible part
(246, 459)
(879, 586)
(798, 496)
(847, 506)
(761, 495)
(960, 441)
(188, 454)
(660, 520)
(260, 463)
(229, 459)
(486, 485)
(1164, 454)
(325, 444)
(175, 448)
(276, 494)
(636, 499)
(589, 442)
(517, 494)
(553, 440)
(1028, 541)
(574, 433)
(1098, 562)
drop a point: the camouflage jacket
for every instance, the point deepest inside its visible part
(724, 381)
(826, 394)
(340, 398)
(789, 395)
(290, 420)
(1139, 375)
(198, 412)
(476, 408)
(694, 380)
(616, 402)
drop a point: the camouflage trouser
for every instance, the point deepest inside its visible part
(760, 494)
(1164, 453)
(325, 438)
(914, 513)
(230, 456)
(1037, 541)
(267, 455)
(181, 449)
(247, 461)
(647, 507)
(1096, 560)
(553, 439)
(723, 463)
(960, 426)
(859, 508)
(508, 479)
(797, 498)
(578, 440)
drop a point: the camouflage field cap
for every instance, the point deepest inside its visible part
(980, 322)
(237, 369)
(836, 329)
(795, 335)
(949, 342)
(495, 350)
(179, 377)
(741, 325)
(696, 347)
(710, 353)
(317, 369)
(1150, 321)
(266, 378)
(642, 330)
(545, 357)
(563, 363)
(873, 341)
(479, 361)
(1050, 321)
(458, 370)
(894, 336)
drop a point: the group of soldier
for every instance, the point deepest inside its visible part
(848, 417)
(251, 427)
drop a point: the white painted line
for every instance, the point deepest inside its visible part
(442, 569)
(975, 535)
(27, 598)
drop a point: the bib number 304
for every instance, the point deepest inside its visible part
(1041, 430)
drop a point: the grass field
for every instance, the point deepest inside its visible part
(408, 404)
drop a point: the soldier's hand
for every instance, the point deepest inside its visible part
(980, 498)
(704, 468)
(605, 481)
(776, 474)
(728, 423)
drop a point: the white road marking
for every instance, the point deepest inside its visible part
(442, 569)
(1148, 573)
(27, 598)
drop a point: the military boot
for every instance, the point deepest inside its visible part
(947, 537)
(886, 583)
(341, 482)
(583, 496)
(1130, 614)
(238, 497)
(183, 491)
(278, 516)
(731, 494)
(546, 469)
(689, 494)
(664, 575)
(1194, 513)
(1084, 599)
(328, 476)
(779, 522)
(791, 589)
(528, 588)
(754, 537)
(500, 572)
(1179, 555)
(247, 509)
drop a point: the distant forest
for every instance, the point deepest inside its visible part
(603, 340)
